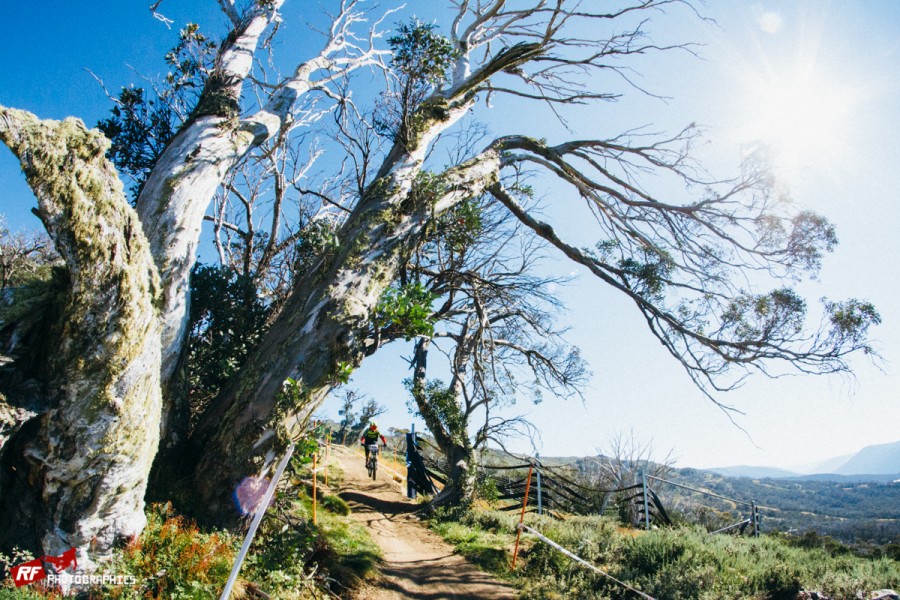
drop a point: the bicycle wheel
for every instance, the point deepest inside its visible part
(374, 467)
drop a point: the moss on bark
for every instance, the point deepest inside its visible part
(106, 359)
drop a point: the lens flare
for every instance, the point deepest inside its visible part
(249, 493)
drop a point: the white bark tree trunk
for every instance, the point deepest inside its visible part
(182, 183)
(321, 330)
(322, 327)
(86, 468)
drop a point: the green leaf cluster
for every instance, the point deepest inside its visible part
(649, 273)
(753, 317)
(227, 320)
(421, 54)
(406, 310)
(460, 226)
(442, 403)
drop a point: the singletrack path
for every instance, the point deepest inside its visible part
(417, 562)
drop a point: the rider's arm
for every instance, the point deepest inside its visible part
(383, 441)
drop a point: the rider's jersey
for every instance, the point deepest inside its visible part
(371, 437)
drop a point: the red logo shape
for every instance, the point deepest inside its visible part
(63, 561)
(34, 570)
(28, 572)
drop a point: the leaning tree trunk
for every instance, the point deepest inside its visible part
(79, 475)
(322, 330)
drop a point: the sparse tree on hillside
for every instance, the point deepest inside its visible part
(495, 326)
(23, 256)
(619, 465)
(682, 262)
(353, 423)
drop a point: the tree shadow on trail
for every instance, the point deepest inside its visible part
(387, 507)
(411, 579)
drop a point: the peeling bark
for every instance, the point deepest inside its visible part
(81, 471)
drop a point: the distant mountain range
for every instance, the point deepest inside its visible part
(878, 462)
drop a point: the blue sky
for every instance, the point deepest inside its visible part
(822, 79)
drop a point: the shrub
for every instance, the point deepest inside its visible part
(781, 582)
(336, 505)
(676, 564)
(174, 558)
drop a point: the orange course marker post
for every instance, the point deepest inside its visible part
(522, 516)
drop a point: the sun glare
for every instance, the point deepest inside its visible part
(802, 115)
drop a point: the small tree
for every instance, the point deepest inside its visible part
(619, 465)
(494, 323)
(24, 257)
(352, 424)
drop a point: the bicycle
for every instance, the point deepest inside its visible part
(372, 460)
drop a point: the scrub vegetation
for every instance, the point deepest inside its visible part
(676, 564)
(291, 558)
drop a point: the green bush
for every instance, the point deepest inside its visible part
(172, 558)
(781, 582)
(336, 505)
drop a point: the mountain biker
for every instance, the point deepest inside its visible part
(371, 436)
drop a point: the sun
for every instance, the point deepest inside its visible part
(803, 117)
(802, 112)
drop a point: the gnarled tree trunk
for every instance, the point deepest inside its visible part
(76, 475)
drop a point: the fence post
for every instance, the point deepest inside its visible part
(755, 517)
(522, 516)
(539, 488)
(410, 444)
(315, 478)
(646, 503)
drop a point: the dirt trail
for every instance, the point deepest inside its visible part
(417, 562)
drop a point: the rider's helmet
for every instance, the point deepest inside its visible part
(372, 425)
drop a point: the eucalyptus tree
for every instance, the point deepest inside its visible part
(682, 262)
(123, 325)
